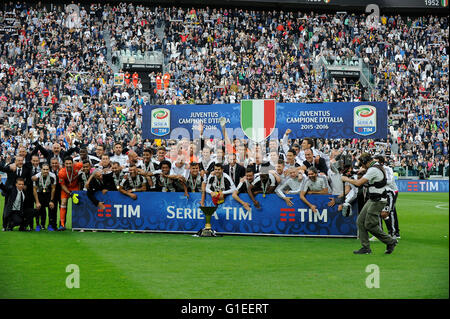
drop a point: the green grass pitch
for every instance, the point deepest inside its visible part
(174, 266)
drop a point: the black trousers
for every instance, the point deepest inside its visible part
(28, 205)
(3, 216)
(15, 218)
(52, 213)
(392, 221)
(41, 214)
(19, 218)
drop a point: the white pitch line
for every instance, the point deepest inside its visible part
(439, 206)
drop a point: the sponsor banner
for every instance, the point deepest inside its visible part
(173, 212)
(261, 119)
(422, 185)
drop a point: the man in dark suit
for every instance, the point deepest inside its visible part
(56, 152)
(32, 167)
(26, 156)
(15, 213)
(258, 165)
(99, 183)
(13, 171)
(319, 163)
(233, 169)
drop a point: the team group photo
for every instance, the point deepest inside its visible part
(196, 150)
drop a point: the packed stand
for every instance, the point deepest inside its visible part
(56, 85)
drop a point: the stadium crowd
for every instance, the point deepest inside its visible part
(57, 92)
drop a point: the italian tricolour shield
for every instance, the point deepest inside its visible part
(258, 119)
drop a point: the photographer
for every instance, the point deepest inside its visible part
(368, 219)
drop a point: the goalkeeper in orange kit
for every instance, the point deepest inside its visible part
(68, 178)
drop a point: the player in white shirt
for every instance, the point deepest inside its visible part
(313, 185)
(118, 157)
(392, 189)
(293, 183)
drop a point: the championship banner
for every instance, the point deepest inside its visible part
(173, 212)
(265, 119)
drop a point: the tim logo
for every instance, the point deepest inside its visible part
(106, 212)
(160, 121)
(413, 186)
(284, 214)
(304, 215)
(423, 186)
(122, 211)
(365, 120)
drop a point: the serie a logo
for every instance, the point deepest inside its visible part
(364, 120)
(160, 121)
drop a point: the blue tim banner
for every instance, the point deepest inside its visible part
(421, 185)
(172, 212)
(318, 120)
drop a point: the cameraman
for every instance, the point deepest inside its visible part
(368, 219)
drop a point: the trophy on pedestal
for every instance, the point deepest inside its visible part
(207, 231)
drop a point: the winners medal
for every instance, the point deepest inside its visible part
(45, 184)
(264, 187)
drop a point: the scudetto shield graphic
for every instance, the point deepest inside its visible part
(258, 119)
